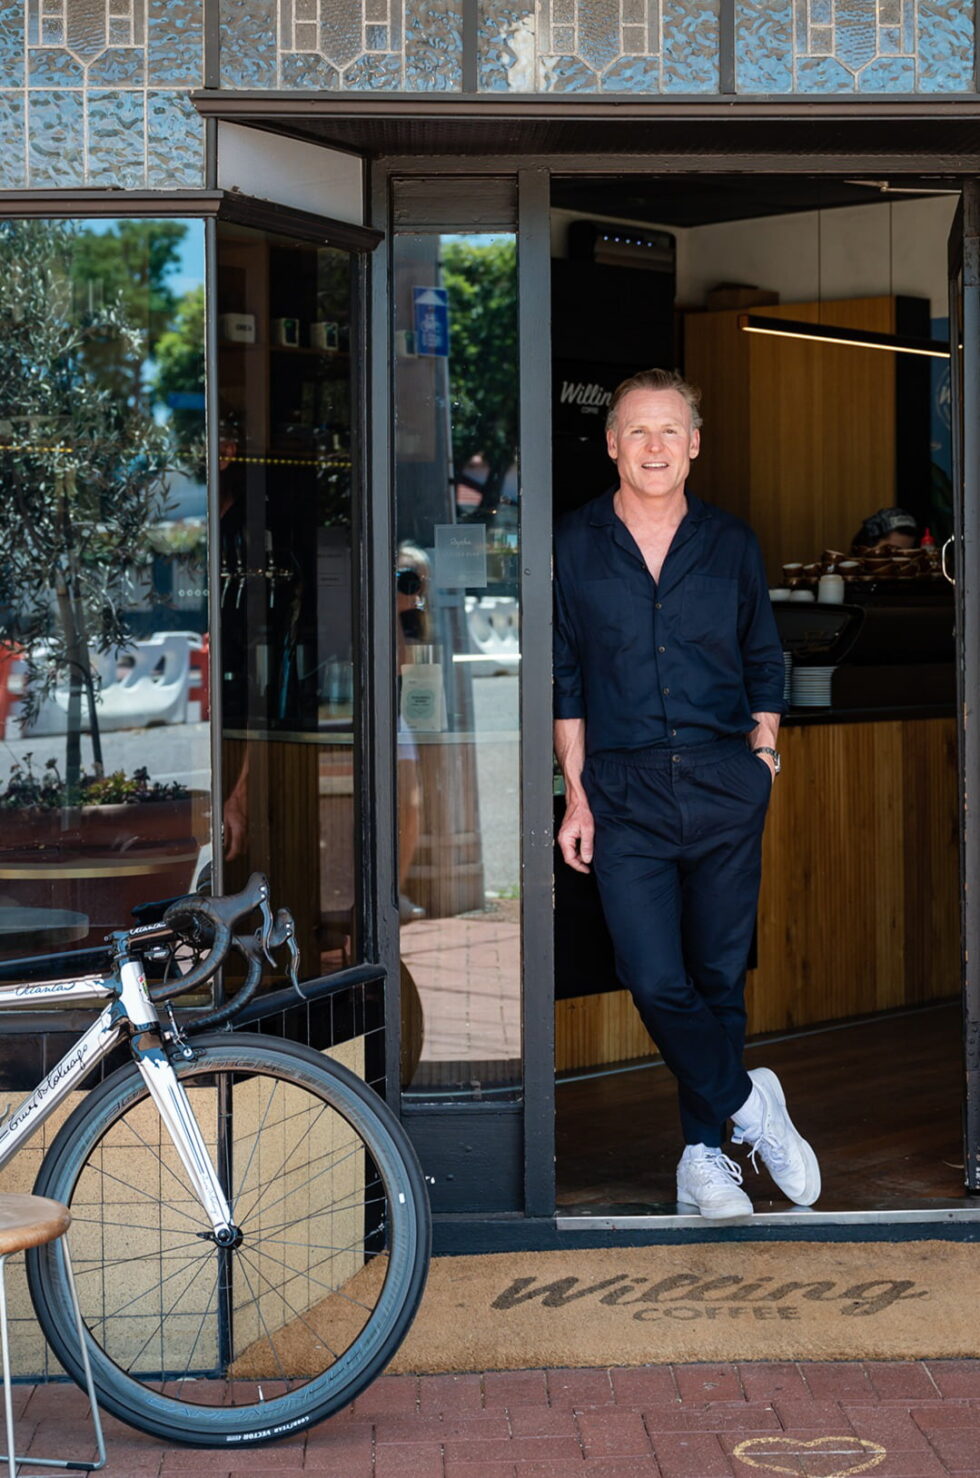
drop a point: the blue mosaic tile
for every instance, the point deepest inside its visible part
(946, 32)
(506, 46)
(11, 46)
(822, 74)
(375, 71)
(764, 46)
(309, 70)
(890, 41)
(856, 32)
(56, 141)
(12, 167)
(48, 67)
(889, 74)
(690, 46)
(908, 27)
(433, 45)
(376, 38)
(175, 42)
(889, 12)
(822, 11)
(115, 139)
(248, 43)
(340, 32)
(599, 42)
(174, 142)
(121, 66)
(634, 74)
(566, 74)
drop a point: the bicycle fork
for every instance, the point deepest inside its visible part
(172, 1103)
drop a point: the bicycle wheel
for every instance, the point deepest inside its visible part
(215, 1347)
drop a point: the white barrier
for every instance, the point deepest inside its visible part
(141, 685)
(494, 631)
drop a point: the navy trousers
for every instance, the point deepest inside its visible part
(678, 857)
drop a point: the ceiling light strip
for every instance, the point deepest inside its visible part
(824, 333)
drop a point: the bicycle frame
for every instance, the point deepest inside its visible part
(130, 1014)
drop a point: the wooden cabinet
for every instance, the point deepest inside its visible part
(802, 439)
(859, 910)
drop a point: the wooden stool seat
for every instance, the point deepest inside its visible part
(33, 1221)
(30, 1221)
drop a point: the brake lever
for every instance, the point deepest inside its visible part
(267, 930)
(284, 933)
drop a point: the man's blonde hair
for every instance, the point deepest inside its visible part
(656, 379)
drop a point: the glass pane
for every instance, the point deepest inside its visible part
(458, 639)
(103, 586)
(284, 318)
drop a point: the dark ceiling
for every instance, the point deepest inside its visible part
(729, 166)
(683, 200)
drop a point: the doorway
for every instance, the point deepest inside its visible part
(856, 963)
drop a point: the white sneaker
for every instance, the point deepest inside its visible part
(708, 1182)
(779, 1144)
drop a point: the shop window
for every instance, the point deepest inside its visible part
(456, 582)
(286, 478)
(104, 641)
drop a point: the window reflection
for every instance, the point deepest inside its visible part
(103, 601)
(458, 651)
(285, 487)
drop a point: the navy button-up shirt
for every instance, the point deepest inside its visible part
(680, 661)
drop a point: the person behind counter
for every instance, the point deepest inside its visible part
(889, 528)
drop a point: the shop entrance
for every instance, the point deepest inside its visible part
(514, 1056)
(854, 991)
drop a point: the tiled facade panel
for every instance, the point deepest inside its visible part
(97, 92)
(605, 46)
(847, 46)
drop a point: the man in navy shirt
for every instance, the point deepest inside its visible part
(668, 695)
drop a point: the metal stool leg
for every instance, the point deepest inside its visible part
(8, 1402)
(48, 1462)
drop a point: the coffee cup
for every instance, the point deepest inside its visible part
(830, 590)
(801, 595)
(780, 594)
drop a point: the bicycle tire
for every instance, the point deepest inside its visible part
(205, 1347)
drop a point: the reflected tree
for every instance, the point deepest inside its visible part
(481, 280)
(82, 466)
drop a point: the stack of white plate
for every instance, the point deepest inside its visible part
(810, 687)
(787, 675)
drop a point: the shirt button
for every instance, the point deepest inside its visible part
(673, 733)
(661, 649)
(658, 605)
(666, 692)
(676, 759)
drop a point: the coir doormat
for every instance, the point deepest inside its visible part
(744, 1301)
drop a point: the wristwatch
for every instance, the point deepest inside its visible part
(773, 755)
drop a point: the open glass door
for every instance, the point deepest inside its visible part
(960, 565)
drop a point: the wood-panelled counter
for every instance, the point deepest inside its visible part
(859, 909)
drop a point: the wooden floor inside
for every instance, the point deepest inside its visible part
(880, 1101)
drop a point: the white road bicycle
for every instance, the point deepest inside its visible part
(250, 1227)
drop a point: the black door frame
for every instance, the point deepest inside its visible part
(538, 1224)
(505, 1150)
(964, 334)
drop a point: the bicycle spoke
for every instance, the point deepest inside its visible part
(329, 1288)
(297, 1314)
(258, 1304)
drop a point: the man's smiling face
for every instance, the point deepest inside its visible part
(653, 443)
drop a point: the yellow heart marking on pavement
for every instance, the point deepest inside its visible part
(754, 1449)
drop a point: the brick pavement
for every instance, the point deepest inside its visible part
(908, 1419)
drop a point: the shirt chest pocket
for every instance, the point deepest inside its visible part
(607, 611)
(709, 609)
